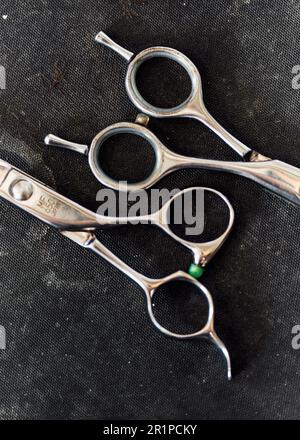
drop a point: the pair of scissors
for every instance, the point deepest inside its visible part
(275, 175)
(79, 224)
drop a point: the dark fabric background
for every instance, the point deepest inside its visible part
(79, 342)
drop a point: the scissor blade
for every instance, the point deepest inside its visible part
(44, 203)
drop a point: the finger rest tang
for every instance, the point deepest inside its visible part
(55, 141)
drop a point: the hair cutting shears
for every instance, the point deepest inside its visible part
(79, 224)
(275, 175)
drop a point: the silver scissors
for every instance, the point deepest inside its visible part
(275, 175)
(79, 224)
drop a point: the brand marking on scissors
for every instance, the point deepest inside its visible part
(49, 205)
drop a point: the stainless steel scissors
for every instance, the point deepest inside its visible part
(275, 175)
(79, 224)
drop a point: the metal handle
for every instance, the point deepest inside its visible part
(207, 119)
(275, 175)
(207, 331)
(202, 252)
(136, 129)
(94, 152)
(150, 287)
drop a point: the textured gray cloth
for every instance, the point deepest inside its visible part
(79, 342)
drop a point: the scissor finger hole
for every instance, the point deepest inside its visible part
(180, 307)
(198, 215)
(158, 96)
(126, 172)
(126, 156)
(163, 82)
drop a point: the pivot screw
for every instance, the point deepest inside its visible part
(21, 190)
